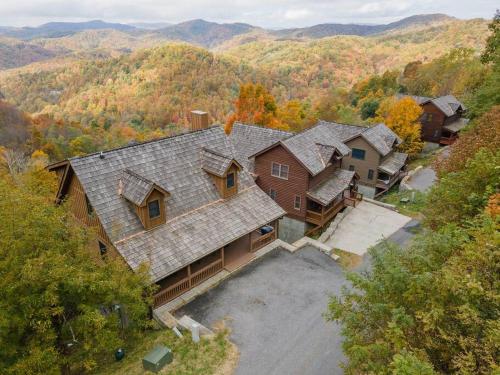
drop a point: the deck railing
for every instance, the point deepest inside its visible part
(320, 218)
(263, 240)
(203, 274)
(187, 283)
(171, 292)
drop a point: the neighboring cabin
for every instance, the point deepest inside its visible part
(314, 174)
(441, 118)
(183, 204)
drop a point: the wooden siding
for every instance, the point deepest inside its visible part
(431, 130)
(143, 212)
(372, 161)
(296, 184)
(78, 206)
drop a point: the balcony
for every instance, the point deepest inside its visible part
(321, 217)
(387, 183)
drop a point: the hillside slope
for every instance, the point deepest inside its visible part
(312, 66)
(151, 87)
(14, 53)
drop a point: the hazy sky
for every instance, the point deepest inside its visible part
(266, 13)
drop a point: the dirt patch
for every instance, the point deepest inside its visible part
(348, 260)
(232, 354)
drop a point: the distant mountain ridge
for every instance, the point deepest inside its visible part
(60, 29)
(331, 29)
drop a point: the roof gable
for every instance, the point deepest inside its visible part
(217, 163)
(136, 188)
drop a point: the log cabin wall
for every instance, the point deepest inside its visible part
(80, 209)
(362, 167)
(286, 190)
(432, 128)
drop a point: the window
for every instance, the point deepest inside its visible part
(230, 180)
(103, 249)
(90, 209)
(154, 209)
(273, 194)
(279, 170)
(370, 174)
(351, 167)
(296, 202)
(358, 154)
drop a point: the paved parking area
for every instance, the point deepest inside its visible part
(365, 226)
(274, 309)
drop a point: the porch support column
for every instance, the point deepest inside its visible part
(189, 275)
(222, 256)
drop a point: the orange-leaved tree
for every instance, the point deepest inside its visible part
(402, 116)
(255, 105)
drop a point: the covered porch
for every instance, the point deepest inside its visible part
(330, 197)
(229, 257)
(450, 131)
(391, 171)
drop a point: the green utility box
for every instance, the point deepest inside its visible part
(157, 358)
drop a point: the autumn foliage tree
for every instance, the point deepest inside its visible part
(255, 105)
(402, 116)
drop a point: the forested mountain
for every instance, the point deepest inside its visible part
(59, 29)
(331, 29)
(14, 53)
(311, 67)
(207, 34)
(14, 126)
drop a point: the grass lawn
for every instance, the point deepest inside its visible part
(411, 208)
(206, 357)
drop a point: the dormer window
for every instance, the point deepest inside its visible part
(147, 197)
(223, 170)
(230, 180)
(154, 209)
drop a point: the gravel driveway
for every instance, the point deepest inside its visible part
(423, 179)
(274, 309)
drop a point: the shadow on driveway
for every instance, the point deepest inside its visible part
(274, 309)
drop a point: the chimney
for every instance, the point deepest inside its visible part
(199, 120)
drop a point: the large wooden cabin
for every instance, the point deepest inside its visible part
(441, 119)
(183, 205)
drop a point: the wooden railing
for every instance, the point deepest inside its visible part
(187, 283)
(203, 274)
(263, 240)
(320, 218)
(171, 292)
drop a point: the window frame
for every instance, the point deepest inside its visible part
(103, 249)
(90, 208)
(299, 202)
(371, 174)
(280, 170)
(233, 179)
(360, 150)
(157, 201)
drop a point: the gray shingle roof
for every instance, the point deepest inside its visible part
(304, 146)
(448, 104)
(134, 187)
(328, 190)
(457, 125)
(175, 164)
(393, 163)
(187, 238)
(250, 139)
(380, 136)
(215, 163)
